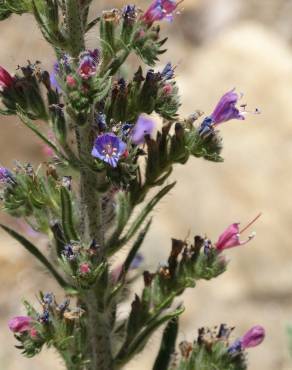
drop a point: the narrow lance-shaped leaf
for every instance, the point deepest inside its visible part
(146, 210)
(167, 346)
(135, 248)
(28, 123)
(67, 216)
(36, 253)
(141, 339)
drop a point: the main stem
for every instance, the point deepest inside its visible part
(98, 328)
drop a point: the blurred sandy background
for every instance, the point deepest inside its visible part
(217, 45)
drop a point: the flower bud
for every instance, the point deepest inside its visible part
(253, 337)
(6, 80)
(20, 324)
(159, 10)
(84, 268)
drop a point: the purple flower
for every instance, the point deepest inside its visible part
(138, 259)
(44, 318)
(109, 148)
(159, 10)
(231, 236)
(88, 63)
(253, 337)
(53, 77)
(144, 126)
(20, 324)
(6, 176)
(129, 14)
(226, 108)
(68, 252)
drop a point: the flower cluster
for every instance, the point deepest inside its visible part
(107, 165)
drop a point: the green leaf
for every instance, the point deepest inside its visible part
(28, 123)
(36, 253)
(146, 210)
(123, 212)
(141, 339)
(167, 346)
(67, 216)
(135, 248)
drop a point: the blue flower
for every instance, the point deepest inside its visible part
(168, 72)
(144, 126)
(137, 261)
(109, 148)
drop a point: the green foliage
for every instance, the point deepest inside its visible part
(29, 194)
(9, 7)
(209, 351)
(89, 226)
(25, 94)
(67, 216)
(149, 94)
(186, 265)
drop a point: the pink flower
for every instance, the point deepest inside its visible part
(167, 89)
(6, 80)
(33, 333)
(71, 82)
(159, 10)
(253, 337)
(231, 236)
(84, 268)
(20, 324)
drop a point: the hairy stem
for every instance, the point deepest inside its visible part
(92, 228)
(98, 330)
(75, 29)
(98, 334)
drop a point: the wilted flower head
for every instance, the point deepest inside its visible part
(144, 126)
(6, 80)
(226, 108)
(88, 63)
(20, 324)
(231, 236)
(109, 148)
(159, 10)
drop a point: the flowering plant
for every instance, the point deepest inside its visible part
(107, 156)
